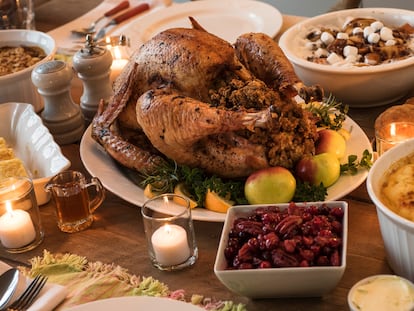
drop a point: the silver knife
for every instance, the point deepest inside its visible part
(120, 18)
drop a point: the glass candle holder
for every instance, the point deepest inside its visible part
(169, 232)
(393, 134)
(20, 225)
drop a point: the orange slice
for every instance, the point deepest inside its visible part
(216, 203)
(180, 189)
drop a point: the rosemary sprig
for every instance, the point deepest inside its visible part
(330, 112)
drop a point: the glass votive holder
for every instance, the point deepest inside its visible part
(169, 232)
(20, 225)
(393, 134)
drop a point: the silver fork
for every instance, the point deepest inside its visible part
(30, 293)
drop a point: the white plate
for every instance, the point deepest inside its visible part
(227, 19)
(135, 303)
(100, 164)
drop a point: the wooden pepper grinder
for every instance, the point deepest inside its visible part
(93, 66)
(60, 115)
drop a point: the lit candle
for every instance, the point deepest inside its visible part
(394, 134)
(120, 59)
(16, 228)
(170, 245)
(117, 67)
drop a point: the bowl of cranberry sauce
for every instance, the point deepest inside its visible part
(283, 250)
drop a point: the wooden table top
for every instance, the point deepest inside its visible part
(117, 237)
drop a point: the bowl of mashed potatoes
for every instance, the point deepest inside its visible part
(390, 185)
(20, 51)
(363, 57)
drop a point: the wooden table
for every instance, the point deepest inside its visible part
(117, 236)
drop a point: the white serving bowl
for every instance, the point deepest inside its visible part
(18, 87)
(366, 86)
(397, 232)
(314, 281)
(382, 292)
(32, 142)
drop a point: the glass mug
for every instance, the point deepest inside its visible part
(16, 14)
(75, 199)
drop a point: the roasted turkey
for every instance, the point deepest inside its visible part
(191, 97)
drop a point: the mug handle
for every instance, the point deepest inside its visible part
(98, 195)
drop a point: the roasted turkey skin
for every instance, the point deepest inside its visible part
(193, 98)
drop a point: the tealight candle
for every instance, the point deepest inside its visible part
(16, 228)
(169, 232)
(170, 245)
(393, 134)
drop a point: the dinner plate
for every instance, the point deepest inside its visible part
(101, 165)
(134, 303)
(227, 19)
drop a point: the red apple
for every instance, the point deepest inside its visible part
(270, 185)
(331, 141)
(322, 168)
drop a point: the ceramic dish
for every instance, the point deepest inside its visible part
(136, 303)
(18, 87)
(32, 142)
(99, 164)
(365, 86)
(397, 232)
(383, 292)
(226, 19)
(280, 282)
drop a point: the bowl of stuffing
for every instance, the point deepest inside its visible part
(20, 51)
(279, 250)
(364, 57)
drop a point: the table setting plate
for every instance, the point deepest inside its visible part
(133, 303)
(226, 19)
(100, 164)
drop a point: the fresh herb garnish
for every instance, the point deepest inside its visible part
(331, 112)
(305, 192)
(353, 165)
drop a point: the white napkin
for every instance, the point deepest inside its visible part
(64, 39)
(49, 297)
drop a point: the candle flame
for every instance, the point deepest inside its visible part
(167, 228)
(9, 208)
(116, 52)
(393, 129)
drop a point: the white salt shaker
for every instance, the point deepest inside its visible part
(60, 115)
(93, 66)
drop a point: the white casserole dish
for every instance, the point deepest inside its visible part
(32, 142)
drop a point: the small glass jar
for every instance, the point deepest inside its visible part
(169, 231)
(20, 225)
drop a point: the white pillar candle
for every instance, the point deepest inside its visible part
(170, 245)
(16, 228)
(116, 68)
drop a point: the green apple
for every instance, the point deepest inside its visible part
(322, 168)
(270, 185)
(331, 141)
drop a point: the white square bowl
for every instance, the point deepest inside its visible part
(313, 281)
(32, 142)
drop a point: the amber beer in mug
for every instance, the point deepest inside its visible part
(75, 200)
